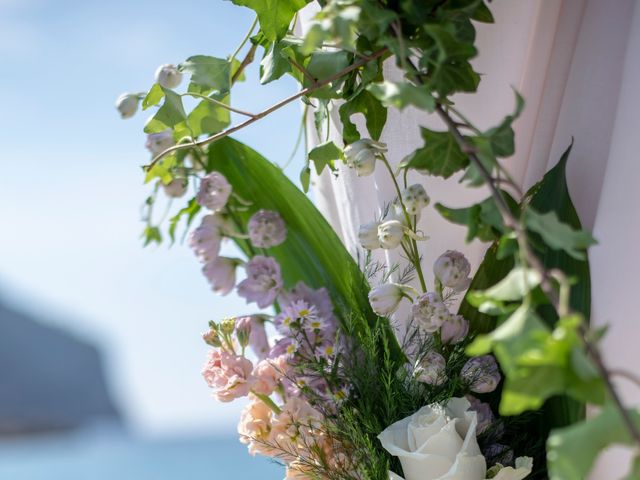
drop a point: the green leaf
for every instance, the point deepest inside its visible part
(209, 118)
(324, 155)
(374, 113)
(191, 210)
(573, 450)
(515, 286)
(305, 178)
(274, 15)
(162, 169)
(449, 47)
(558, 235)
(312, 252)
(151, 235)
(168, 115)
(440, 156)
(483, 219)
(324, 64)
(501, 138)
(207, 73)
(153, 97)
(274, 64)
(403, 94)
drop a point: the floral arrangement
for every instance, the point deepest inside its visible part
(353, 369)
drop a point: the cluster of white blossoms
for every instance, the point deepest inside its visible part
(362, 155)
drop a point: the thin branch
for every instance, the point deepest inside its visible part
(264, 113)
(304, 71)
(218, 103)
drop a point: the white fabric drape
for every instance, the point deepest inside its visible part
(577, 64)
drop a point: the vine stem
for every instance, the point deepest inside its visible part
(218, 103)
(245, 39)
(268, 111)
(512, 222)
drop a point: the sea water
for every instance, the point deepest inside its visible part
(99, 456)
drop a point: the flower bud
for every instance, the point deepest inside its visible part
(211, 338)
(390, 234)
(228, 325)
(214, 191)
(415, 199)
(159, 142)
(368, 235)
(384, 299)
(267, 229)
(430, 312)
(362, 155)
(431, 369)
(484, 414)
(243, 330)
(452, 269)
(127, 104)
(168, 76)
(454, 329)
(481, 374)
(175, 188)
(221, 274)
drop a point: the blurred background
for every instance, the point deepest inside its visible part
(100, 348)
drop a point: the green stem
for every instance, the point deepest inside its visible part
(414, 244)
(244, 40)
(268, 402)
(218, 103)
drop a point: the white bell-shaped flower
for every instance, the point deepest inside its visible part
(368, 235)
(390, 234)
(168, 76)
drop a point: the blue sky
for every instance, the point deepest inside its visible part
(72, 187)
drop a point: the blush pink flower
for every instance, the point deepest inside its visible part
(263, 282)
(265, 378)
(205, 240)
(255, 426)
(229, 374)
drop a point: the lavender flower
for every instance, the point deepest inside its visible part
(431, 369)
(263, 281)
(214, 192)
(127, 104)
(221, 274)
(429, 312)
(267, 229)
(484, 413)
(452, 269)
(205, 240)
(454, 329)
(175, 188)
(481, 374)
(159, 142)
(258, 340)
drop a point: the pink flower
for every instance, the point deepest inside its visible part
(258, 340)
(255, 426)
(221, 274)
(175, 188)
(454, 329)
(481, 374)
(263, 281)
(265, 378)
(229, 374)
(205, 240)
(267, 229)
(295, 427)
(214, 192)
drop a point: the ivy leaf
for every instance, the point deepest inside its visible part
(573, 450)
(324, 155)
(153, 97)
(324, 64)
(558, 235)
(274, 64)
(374, 113)
(274, 15)
(207, 73)
(162, 169)
(191, 210)
(209, 118)
(151, 235)
(441, 156)
(449, 47)
(170, 114)
(518, 283)
(483, 220)
(403, 94)
(501, 137)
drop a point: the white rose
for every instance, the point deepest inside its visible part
(439, 443)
